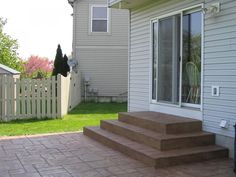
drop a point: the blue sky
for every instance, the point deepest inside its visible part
(38, 25)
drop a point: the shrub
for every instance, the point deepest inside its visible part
(37, 66)
(60, 63)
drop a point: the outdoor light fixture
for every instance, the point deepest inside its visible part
(213, 9)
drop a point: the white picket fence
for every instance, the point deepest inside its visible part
(42, 98)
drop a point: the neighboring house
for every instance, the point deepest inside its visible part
(5, 70)
(182, 61)
(100, 44)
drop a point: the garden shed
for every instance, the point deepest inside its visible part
(5, 70)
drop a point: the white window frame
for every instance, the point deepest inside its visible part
(91, 18)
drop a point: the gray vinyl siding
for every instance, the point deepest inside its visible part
(118, 34)
(220, 69)
(102, 56)
(219, 62)
(140, 48)
(108, 74)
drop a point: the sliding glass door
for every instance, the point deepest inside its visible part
(176, 81)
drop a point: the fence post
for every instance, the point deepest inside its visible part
(18, 105)
(27, 96)
(23, 98)
(9, 95)
(53, 96)
(14, 98)
(38, 107)
(43, 101)
(33, 95)
(49, 99)
(59, 96)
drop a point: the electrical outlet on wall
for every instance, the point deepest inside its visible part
(215, 91)
(215, 8)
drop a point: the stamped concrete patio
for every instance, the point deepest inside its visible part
(75, 155)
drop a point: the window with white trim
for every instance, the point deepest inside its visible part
(99, 18)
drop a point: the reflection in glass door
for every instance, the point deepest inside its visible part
(168, 60)
(191, 74)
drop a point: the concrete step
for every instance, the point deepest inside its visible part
(162, 123)
(158, 140)
(153, 156)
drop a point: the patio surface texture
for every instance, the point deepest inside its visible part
(75, 155)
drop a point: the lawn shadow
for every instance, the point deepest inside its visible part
(28, 120)
(99, 108)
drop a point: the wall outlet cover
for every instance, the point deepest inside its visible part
(215, 91)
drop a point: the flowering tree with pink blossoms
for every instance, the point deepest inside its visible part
(37, 67)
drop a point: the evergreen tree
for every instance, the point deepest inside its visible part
(66, 67)
(58, 62)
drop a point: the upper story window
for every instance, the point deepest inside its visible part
(99, 18)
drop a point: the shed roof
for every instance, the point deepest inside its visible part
(8, 69)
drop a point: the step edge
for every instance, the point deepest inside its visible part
(176, 117)
(113, 134)
(217, 147)
(196, 152)
(151, 160)
(154, 160)
(164, 138)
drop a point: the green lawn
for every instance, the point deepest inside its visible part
(86, 114)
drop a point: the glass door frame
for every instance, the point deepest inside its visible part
(182, 12)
